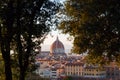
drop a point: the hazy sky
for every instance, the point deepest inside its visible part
(53, 35)
(58, 0)
(62, 37)
(50, 39)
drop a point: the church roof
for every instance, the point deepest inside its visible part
(56, 45)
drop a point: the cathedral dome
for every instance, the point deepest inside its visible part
(57, 47)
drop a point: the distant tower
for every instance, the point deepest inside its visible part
(57, 48)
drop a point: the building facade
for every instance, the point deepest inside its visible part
(57, 48)
(94, 72)
(74, 69)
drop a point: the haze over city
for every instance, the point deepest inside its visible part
(33, 46)
(52, 37)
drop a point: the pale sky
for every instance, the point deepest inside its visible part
(52, 37)
(58, 0)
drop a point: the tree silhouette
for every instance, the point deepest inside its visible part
(21, 21)
(94, 24)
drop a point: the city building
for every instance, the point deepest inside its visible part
(54, 73)
(57, 48)
(55, 64)
(44, 53)
(94, 72)
(74, 69)
(112, 71)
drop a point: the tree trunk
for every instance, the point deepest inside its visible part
(6, 37)
(24, 62)
(22, 75)
(8, 71)
(5, 48)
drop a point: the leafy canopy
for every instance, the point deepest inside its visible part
(24, 24)
(95, 26)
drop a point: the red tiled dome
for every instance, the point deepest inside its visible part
(57, 47)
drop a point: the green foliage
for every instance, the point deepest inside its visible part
(95, 26)
(2, 76)
(68, 78)
(33, 76)
(93, 59)
(24, 25)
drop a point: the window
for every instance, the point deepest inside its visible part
(53, 75)
(97, 70)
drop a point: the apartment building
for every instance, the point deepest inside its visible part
(74, 69)
(94, 72)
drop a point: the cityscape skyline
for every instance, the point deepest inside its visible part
(51, 37)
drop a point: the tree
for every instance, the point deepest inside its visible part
(67, 78)
(94, 24)
(35, 24)
(21, 21)
(6, 27)
(1, 68)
